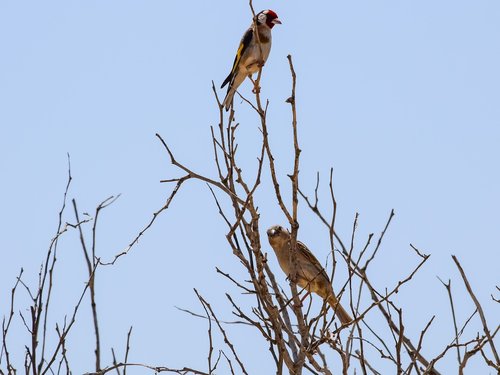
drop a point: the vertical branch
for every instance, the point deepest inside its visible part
(50, 270)
(5, 327)
(209, 333)
(295, 176)
(92, 261)
(448, 289)
(127, 351)
(399, 342)
(294, 224)
(479, 309)
(90, 267)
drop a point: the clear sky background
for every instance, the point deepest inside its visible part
(400, 97)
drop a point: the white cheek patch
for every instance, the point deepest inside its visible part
(262, 18)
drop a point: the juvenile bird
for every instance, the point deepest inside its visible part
(251, 56)
(310, 274)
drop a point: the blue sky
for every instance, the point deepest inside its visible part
(400, 98)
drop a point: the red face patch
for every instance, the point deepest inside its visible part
(270, 16)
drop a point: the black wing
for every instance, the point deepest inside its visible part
(245, 41)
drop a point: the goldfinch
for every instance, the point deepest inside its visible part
(250, 57)
(310, 274)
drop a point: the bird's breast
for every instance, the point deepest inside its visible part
(264, 38)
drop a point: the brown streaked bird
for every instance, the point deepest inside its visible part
(310, 274)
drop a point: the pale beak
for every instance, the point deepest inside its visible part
(270, 232)
(276, 21)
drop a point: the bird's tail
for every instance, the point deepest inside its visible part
(343, 315)
(235, 82)
(228, 100)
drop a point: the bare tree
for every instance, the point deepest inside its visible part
(301, 331)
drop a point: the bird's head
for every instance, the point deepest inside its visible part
(267, 17)
(277, 235)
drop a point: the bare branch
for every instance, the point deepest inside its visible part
(480, 311)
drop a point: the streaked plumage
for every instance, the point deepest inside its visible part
(250, 56)
(310, 274)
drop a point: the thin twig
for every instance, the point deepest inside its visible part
(479, 309)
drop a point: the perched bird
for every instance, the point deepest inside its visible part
(250, 55)
(310, 274)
